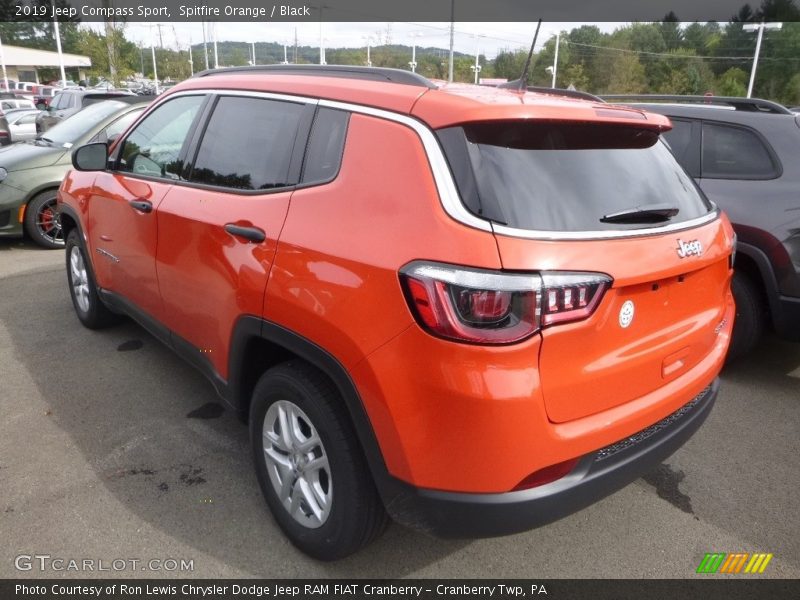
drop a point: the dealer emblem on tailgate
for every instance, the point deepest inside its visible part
(688, 248)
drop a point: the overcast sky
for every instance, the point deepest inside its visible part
(488, 38)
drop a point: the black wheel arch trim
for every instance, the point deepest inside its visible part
(249, 327)
(770, 283)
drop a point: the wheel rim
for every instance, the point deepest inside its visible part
(48, 224)
(297, 464)
(79, 279)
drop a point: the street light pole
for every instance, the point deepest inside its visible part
(60, 55)
(3, 63)
(760, 27)
(452, 35)
(477, 66)
(555, 60)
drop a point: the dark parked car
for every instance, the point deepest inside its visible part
(70, 101)
(745, 155)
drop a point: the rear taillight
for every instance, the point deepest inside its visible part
(571, 296)
(495, 307)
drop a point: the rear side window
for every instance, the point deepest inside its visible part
(248, 144)
(324, 153)
(736, 153)
(566, 177)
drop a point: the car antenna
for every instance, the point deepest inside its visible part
(522, 83)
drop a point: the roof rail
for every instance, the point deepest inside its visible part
(343, 71)
(564, 92)
(744, 104)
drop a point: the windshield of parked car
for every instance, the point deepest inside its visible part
(569, 176)
(75, 127)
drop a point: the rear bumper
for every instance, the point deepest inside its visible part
(460, 515)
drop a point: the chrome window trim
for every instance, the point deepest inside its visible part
(445, 185)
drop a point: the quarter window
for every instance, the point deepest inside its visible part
(154, 147)
(735, 153)
(248, 144)
(324, 154)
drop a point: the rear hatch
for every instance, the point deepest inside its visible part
(581, 199)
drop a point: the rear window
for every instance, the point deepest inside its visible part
(567, 177)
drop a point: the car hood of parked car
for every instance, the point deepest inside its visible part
(30, 155)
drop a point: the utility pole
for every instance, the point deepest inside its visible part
(413, 63)
(555, 60)
(216, 56)
(60, 54)
(295, 45)
(452, 34)
(321, 39)
(205, 45)
(477, 66)
(191, 61)
(160, 37)
(3, 63)
(253, 46)
(153, 51)
(368, 39)
(285, 60)
(760, 27)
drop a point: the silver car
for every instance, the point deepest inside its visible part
(21, 124)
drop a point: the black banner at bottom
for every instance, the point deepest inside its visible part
(400, 589)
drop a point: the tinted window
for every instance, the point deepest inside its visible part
(735, 153)
(154, 146)
(324, 153)
(679, 138)
(566, 177)
(248, 144)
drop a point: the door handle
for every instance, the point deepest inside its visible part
(143, 206)
(254, 234)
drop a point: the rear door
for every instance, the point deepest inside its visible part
(570, 201)
(217, 235)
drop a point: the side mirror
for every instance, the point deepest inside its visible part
(91, 157)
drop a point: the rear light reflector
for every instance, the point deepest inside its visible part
(546, 475)
(496, 307)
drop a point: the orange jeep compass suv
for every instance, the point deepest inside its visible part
(475, 310)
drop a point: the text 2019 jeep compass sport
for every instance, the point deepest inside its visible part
(476, 310)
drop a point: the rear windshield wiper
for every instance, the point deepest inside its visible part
(650, 213)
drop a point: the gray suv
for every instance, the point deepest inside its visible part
(67, 103)
(745, 155)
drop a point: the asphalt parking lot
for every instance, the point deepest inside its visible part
(112, 448)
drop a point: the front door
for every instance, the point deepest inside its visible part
(125, 200)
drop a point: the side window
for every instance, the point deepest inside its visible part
(55, 103)
(153, 148)
(248, 144)
(27, 119)
(325, 148)
(735, 153)
(118, 126)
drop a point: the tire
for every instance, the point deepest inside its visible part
(82, 289)
(748, 326)
(330, 507)
(41, 221)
